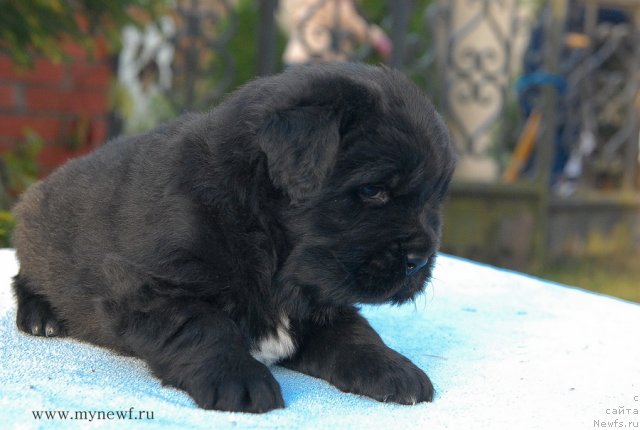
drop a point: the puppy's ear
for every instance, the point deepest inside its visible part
(301, 142)
(301, 145)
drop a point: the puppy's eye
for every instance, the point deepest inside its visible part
(377, 194)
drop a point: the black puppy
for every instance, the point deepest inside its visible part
(223, 242)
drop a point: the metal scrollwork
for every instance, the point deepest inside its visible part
(477, 68)
(328, 40)
(601, 103)
(328, 30)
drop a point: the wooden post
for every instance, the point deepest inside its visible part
(546, 149)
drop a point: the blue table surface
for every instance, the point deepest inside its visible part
(505, 351)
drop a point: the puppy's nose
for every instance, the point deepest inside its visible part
(415, 262)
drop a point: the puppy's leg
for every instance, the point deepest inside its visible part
(349, 354)
(190, 345)
(35, 315)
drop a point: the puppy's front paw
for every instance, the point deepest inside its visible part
(243, 386)
(384, 375)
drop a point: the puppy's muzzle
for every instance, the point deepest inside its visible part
(414, 262)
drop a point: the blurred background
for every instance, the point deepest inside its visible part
(542, 99)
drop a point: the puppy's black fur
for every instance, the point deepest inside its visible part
(228, 240)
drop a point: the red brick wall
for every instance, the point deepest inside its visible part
(65, 104)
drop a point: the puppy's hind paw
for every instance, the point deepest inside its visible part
(36, 317)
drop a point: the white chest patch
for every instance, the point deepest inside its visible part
(275, 348)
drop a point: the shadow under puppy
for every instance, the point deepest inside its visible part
(223, 242)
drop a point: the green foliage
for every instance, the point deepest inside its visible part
(18, 170)
(160, 109)
(614, 275)
(39, 26)
(244, 43)
(419, 43)
(19, 167)
(6, 228)
(374, 10)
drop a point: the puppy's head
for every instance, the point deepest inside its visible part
(366, 162)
